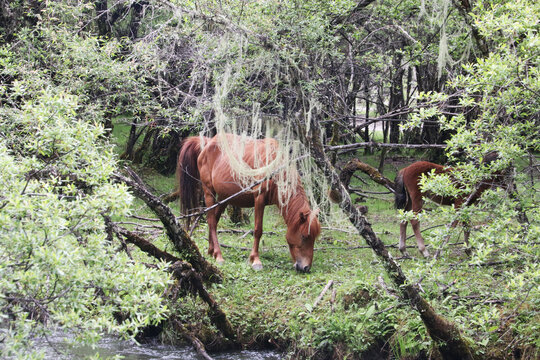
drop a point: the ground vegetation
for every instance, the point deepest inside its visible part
(352, 90)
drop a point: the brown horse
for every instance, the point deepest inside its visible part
(202, 162)
(408, 196)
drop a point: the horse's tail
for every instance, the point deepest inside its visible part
(187, 174)
(401, 196)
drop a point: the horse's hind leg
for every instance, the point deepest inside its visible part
(257, 233)
(403, 238)
(212, 220)
(416, 207)
(419, 239)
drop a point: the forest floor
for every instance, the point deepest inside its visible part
(359, 315)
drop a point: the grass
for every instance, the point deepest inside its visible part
(275, 307)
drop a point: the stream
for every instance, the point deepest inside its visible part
(56, 348)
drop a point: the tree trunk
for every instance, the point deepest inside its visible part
(381, 110)
(446, 336)
(139, 153)
(164, 151)
(103, 19)
(236, 215)
(426, 78)
(397, 101)
(132, 140)
(410, 136)
(136, 15)
(382, 159)
(367, 84)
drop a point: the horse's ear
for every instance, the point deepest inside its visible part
(303, 217)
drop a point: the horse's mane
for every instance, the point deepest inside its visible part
(299, 203)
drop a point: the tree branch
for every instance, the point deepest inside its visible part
(375, 145)
(374, 174)
(188, 278)
(446, 334)
(180, 239)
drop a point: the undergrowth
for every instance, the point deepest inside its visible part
(276, 307)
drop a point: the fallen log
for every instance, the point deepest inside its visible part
(188, 278)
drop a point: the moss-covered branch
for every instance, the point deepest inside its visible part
(178, 236)
(445, 334)
(187, 278)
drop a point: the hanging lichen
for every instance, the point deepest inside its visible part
(287, 164)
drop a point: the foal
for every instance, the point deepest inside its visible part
(408, 196)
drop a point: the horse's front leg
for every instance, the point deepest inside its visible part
(212, 220)
(416, 207)
(257, 233)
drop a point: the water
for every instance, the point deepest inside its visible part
(56, 348)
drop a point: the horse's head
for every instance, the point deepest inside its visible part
(301, 238)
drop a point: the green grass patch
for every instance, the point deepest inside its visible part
(275, 306)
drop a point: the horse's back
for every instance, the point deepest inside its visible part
(411, 178)
(412, 173)
(217, 174)
(211, 160)
(262, 151)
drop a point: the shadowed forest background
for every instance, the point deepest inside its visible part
(96, 98)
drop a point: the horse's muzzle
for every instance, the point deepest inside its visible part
(301, 268)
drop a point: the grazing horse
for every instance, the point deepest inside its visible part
(202, 162)
(408, 196)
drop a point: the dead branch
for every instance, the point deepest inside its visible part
(188, 278)
(244, 232)
(385, 287)
(348, 171)
(143, 244)
(333, 299)
(170, 197)
(141, 226)
(189, 336)
(319, 298)
(376, 145)
(373, 173)
(180, 239)
(143, 218)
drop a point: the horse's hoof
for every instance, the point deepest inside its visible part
(256, 266)
(425, 253)
(220, 261)
(468, 251)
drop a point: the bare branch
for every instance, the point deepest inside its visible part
(375, 145)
